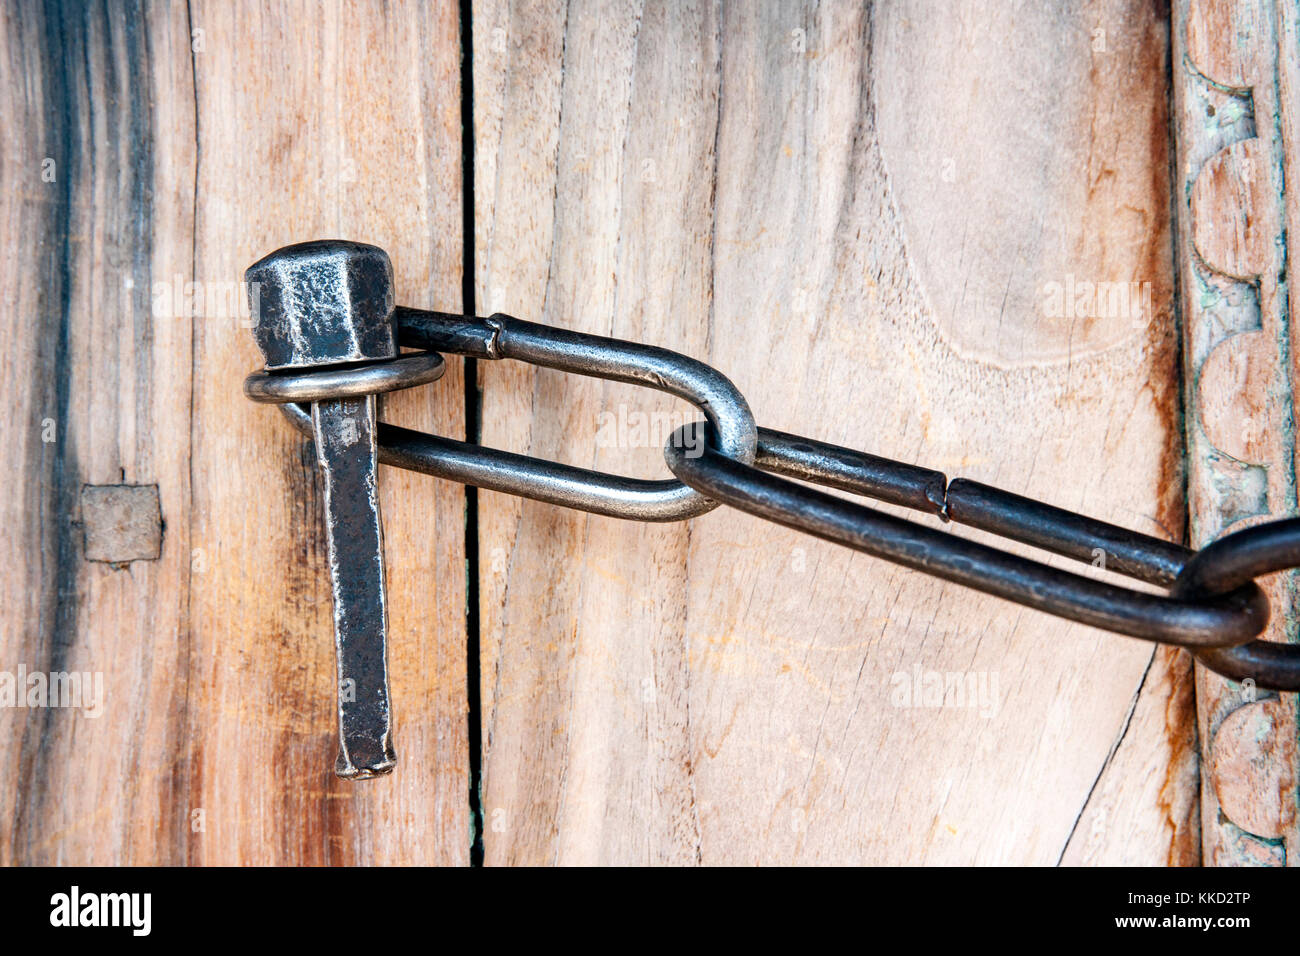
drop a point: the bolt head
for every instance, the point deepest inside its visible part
(322, 303)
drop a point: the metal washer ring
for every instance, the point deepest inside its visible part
(319, 385)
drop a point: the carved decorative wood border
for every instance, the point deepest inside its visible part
(1234, 96)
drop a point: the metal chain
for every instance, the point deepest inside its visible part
(1212, 605)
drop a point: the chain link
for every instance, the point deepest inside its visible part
(1212, 606)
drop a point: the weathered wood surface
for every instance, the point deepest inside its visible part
(179, 143)
(1237, 105)
(869, 219)
(881, 222)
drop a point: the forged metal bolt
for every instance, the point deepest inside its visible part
(318, 304)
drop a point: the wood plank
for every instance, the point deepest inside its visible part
(858, 216)
(189, 142)
(97, 203)
(1236, 106)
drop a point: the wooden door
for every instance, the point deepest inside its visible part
(874, 218)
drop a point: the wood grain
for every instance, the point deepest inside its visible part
(864, 218)
(938, 232)
(97, 202)
(1235, 112)
(188, 141)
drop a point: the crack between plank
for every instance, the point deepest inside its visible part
(473, 428)
(1114, 749)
